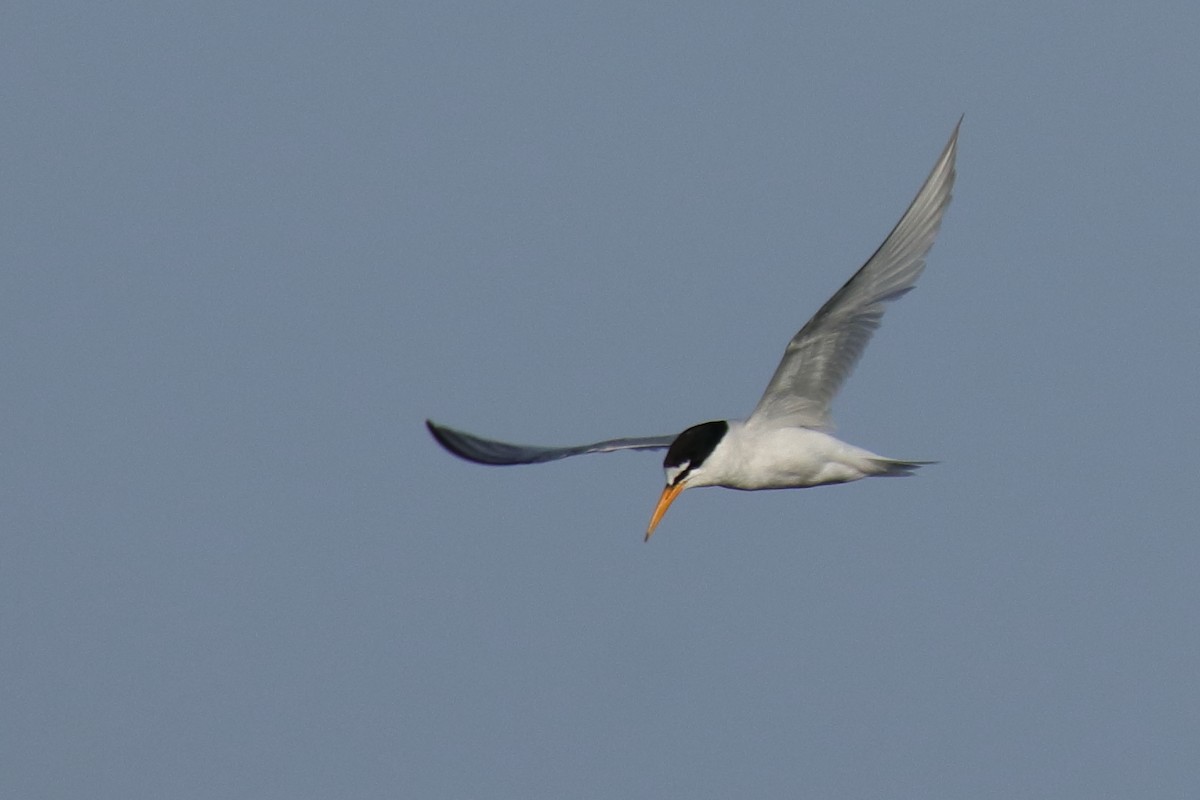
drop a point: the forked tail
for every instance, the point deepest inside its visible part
(893, 468)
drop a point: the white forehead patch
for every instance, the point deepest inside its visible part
(673, 472)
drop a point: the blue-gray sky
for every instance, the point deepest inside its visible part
(249, 248)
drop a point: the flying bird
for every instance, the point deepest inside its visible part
(785, 442)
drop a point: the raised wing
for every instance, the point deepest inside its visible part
(490, 451)
(821, 356)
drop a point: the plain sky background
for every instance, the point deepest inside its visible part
(248, 248)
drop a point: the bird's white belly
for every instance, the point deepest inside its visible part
(788, 458)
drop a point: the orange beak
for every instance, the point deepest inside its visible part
(669, 494)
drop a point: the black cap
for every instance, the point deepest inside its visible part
(693, 446)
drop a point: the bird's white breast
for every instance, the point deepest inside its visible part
(758, 457)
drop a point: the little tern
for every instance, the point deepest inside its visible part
(785, 442)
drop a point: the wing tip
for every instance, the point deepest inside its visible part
(438, 433)
(435, 431)
(489, 452)
(450, 440)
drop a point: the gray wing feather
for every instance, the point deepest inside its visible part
(489, 451)
(821, 356)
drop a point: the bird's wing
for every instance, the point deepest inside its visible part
(821, 356)
(490, 451)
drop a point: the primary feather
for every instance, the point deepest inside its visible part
(821, 356)
(497, 453)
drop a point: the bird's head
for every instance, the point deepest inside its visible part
(683, 465)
